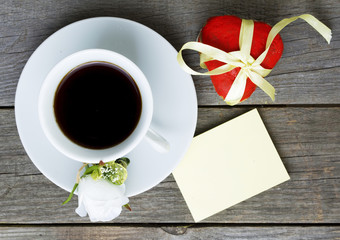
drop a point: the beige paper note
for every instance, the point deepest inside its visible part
(227, 165)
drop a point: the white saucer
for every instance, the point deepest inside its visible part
(175, 103)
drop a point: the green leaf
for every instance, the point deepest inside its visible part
(124, 161)
(127, 206)
(71, 194)
(96, 174)
(90, 169)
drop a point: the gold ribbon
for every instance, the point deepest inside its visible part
(250, 68)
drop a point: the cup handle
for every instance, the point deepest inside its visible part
(158, 142)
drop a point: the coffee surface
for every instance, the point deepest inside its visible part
(97, 105)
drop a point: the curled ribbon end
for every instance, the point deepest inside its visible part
(329, 38)
(272, 96)
(231, 103)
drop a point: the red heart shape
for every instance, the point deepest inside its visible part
(223, 32)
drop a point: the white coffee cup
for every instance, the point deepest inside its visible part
(68, 147)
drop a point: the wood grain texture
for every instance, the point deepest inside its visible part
(169, 233)
(307, 73)
(307, 139)
(304, 124)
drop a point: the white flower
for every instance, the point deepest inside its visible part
(100, 199)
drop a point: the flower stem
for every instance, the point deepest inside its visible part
(78, 174)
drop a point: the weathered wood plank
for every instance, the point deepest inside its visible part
(184, 233)
(306, 74)
(307, 139)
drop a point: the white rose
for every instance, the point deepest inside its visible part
(100, 199)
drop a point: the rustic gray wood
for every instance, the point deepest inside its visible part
(307, 73)
(307, 139)
(183, 232)
(304, 124)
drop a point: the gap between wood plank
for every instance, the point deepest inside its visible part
(306, 71)
(249, 106)
(273, 106)
(186, 225)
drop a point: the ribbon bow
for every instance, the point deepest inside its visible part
(250, 68)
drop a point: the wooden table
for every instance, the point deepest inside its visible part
(304, 123)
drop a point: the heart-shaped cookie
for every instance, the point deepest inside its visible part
(223, 33)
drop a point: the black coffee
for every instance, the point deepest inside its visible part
(97, 105)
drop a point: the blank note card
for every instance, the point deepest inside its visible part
(227, 165)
